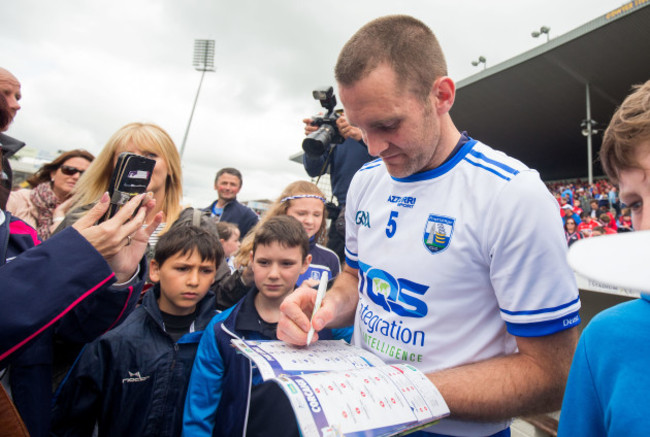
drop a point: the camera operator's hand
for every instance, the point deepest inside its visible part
(347, 130)
(308, 126)
(122, 240)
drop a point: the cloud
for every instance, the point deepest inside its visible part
(87, 68)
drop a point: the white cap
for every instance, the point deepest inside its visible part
(621, 260)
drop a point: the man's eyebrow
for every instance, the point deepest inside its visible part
(384, 122)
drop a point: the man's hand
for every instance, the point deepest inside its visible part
(347, 130)
(295, 314)
(122, 240)
(309, 128)
(337, 309)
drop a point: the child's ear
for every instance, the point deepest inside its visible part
(154, 271)
(252, 255)
(305, 264)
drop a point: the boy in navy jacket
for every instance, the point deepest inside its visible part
(226, 396)
(132, 380)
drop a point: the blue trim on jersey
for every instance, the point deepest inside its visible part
(542, 310)
(444, 168)
(541, 329)
(491, 170)
(501, 165)
(351, 263)
(372, 164)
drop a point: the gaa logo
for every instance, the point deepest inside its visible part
(363, 218)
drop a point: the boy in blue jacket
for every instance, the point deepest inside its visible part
(132, 380)
(226, 395)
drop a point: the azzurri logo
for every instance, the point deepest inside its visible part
(406, 202)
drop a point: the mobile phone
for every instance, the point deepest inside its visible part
(130, 177)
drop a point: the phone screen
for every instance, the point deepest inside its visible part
(130, 177)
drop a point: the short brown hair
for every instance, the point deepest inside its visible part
(230, 171)
(226, 230)
(282, 229)
(404, 43)
(185, 239)
(629, 127)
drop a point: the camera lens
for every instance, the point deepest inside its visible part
(317, 142)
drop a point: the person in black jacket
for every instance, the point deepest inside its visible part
(132, 381)
(88, 276)
(227, 183)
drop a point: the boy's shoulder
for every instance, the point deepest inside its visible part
(230, 317)
(132, 327)
(220, 319)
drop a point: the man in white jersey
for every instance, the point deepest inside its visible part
(443, 271)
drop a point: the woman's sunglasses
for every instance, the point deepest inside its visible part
(69, 171)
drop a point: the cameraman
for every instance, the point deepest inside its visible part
(341, 161)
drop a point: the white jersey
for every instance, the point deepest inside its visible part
(455, 261)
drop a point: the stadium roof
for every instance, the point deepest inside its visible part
(531, 106)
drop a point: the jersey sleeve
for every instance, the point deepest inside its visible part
(526, 250)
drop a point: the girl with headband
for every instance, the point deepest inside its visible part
(306, 203)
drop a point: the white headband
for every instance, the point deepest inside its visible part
(302, 196)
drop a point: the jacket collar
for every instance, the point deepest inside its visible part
(205, 308)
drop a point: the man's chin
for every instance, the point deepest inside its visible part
(398, 171)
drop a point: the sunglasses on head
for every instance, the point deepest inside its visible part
(69, 171)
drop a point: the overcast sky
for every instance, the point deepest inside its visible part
(89, 67)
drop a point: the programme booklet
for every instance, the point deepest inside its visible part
(337, 389)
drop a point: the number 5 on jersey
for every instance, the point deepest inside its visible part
(391, 227)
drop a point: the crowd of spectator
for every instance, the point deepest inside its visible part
(590, 210)
(111, 312)
(152, 275)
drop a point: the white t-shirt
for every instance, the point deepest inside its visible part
(455, 261)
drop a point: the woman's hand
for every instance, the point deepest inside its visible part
(122, 240)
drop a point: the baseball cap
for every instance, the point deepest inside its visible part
(567, 206)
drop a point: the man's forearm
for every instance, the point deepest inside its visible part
(530, 381)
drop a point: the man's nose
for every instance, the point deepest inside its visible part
(13, 103)
(376, 144)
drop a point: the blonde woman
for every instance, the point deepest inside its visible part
(144, 139)
(305, 202)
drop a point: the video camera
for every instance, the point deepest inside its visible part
(328, 134)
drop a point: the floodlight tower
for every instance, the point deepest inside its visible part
(203, 61)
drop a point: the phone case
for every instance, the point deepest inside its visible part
(130, 177)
